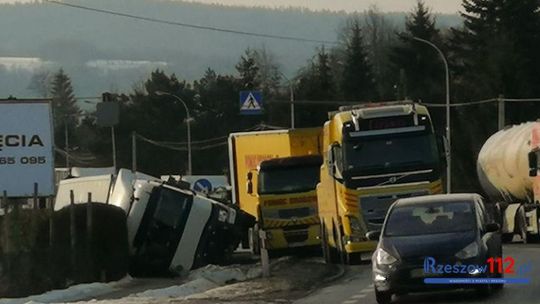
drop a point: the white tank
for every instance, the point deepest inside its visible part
(503, 166)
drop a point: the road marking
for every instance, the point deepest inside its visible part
(349, 302)
(365, 290)
(359, 296)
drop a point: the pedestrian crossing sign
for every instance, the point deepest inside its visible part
(251, 102)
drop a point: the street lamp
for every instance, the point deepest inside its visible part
(449, 155)
(291, 89)
(188, 119)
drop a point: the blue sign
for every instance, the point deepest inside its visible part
(202, 185)
(251, 102)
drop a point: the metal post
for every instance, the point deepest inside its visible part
(72, 226)
(502, 112)
(448, 133)
(265, 261)
(133, 151)
(89, 221)
(292, 104)
(189, 143)
(113, 147)
(35, 197)
(7, 234)
(66, 142)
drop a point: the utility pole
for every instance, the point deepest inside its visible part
(134, 151)
(188, 120)
(502, 112)
(66, 141)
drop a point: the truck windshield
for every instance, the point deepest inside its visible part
(445, 217)
(375, 152)
(288, 180)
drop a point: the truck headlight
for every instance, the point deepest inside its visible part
(356, 228)
(384, 258)
(469, 251)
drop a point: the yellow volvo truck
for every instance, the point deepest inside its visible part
(373, 155)
(274, 175)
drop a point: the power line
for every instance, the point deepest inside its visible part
(188, 25)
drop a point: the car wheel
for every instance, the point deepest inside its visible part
(383, 297)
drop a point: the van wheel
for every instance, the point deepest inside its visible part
(383, 297)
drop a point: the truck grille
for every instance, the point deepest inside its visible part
(296, 236)
(374, 208)
(294, 213)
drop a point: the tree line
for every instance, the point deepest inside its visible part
(494, 52)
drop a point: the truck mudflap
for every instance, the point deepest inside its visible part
(509, 218)
(531, 215)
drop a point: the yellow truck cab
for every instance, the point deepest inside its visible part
(373, 155)
(274, 175)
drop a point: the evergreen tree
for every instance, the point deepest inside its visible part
(496, 50)
(66, 113)
(380, 38)
(357, 81)
(419, 72)
(316, 83)
(248, 70)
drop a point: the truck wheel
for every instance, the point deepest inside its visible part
(383, 297)
(522, 225)
(507, 237)
(324, 244)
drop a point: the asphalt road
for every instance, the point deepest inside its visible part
(356, 286)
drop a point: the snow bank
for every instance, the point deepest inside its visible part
(200, 280)
(73, 293)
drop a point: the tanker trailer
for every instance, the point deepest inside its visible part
(507, 168)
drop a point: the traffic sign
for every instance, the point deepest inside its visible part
(202, 185)
(251, 102)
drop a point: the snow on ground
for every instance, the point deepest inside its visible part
(73, 293)
(199, 281)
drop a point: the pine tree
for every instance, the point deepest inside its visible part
(357, 81)
(248, 70)
(65, 110)
(419, 73)
(497, 48)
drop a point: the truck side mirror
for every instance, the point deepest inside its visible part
(533, 164)
(250, 183)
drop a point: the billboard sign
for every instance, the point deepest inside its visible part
(26, 148)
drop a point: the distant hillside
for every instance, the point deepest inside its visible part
(103, 52)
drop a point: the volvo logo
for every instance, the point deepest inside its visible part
(393, 180)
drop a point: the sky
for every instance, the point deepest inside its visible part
(438, 6)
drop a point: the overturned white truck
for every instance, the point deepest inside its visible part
(169, 228)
